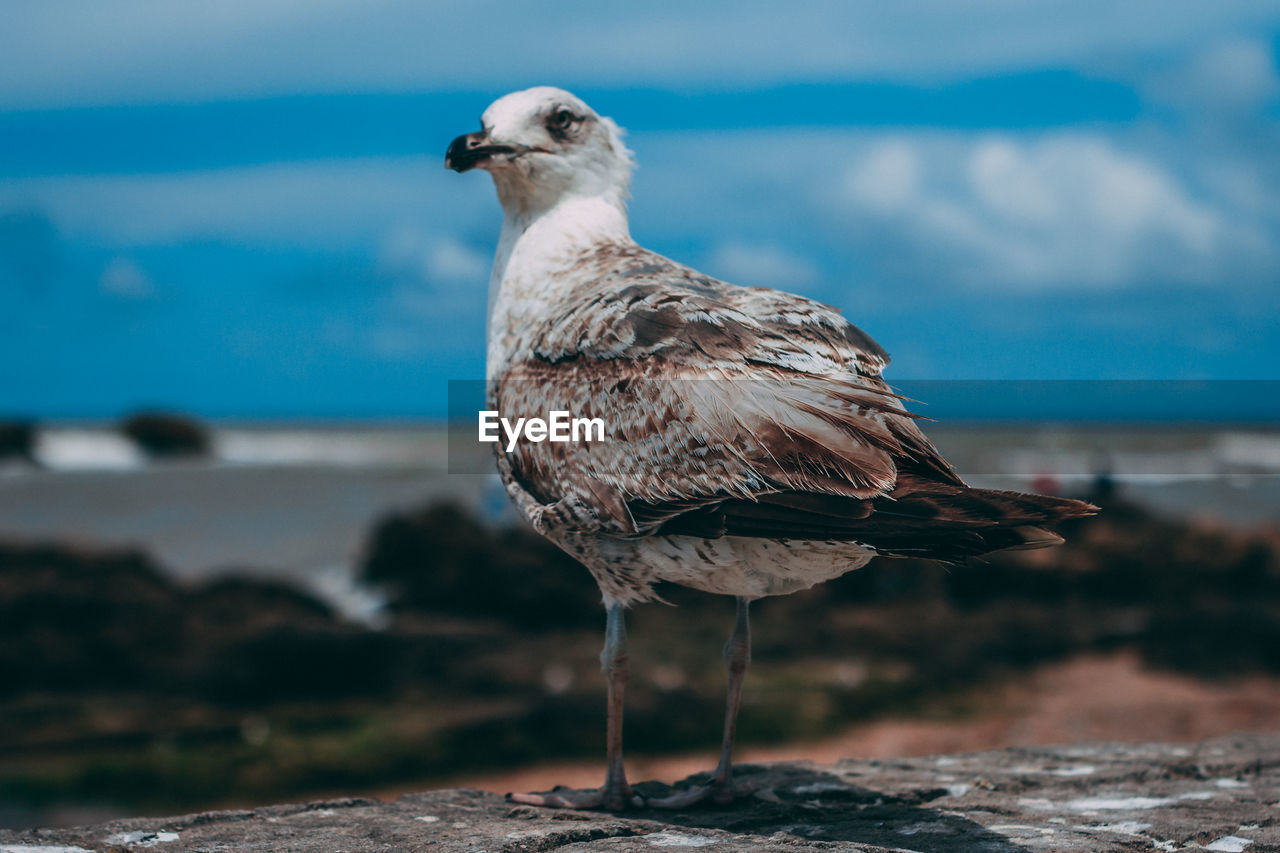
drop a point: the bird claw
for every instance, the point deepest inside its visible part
(721, 793)
(614, 800)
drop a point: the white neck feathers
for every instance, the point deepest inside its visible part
(534, 254)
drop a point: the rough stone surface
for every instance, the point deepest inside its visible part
(1220, 795)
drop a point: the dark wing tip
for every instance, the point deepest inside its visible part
(1034, 538)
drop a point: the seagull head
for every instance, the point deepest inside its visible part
(543, 145)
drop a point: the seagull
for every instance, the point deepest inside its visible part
(752, 448)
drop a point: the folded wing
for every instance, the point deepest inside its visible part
(743, 412)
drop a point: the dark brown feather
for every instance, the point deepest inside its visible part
(949, 523)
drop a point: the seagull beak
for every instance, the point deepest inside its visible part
(471, 150)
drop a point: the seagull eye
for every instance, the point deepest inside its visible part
(562, 118)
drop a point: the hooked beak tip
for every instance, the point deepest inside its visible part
(456, 156)
(471, 150)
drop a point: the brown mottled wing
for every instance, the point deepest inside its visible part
(739, 411)
(709, 393)
(639, 304)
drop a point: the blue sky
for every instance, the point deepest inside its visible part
(240, 209)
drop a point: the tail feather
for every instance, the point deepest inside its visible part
(955, 522)
(1035, 537)
(923, 519)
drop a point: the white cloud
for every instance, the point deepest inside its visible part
(1228, 76)
(756, 265)
(1008, 184)
(408, 249)
(84, 51)
(451, 259)
(123, 278)
(888, 177)
(431, 263)
(1060, 210)
(431, 276)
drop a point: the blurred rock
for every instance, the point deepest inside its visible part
(74, 621)
(1086, 798)
(442, 560)
(167, 435)
(17, 440)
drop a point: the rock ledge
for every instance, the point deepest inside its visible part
(1220, 795)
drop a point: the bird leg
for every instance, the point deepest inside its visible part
(615, 794)
(737, 654)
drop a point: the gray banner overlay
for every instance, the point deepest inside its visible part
(1020, 429)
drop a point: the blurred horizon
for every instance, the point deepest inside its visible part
(241, 210)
